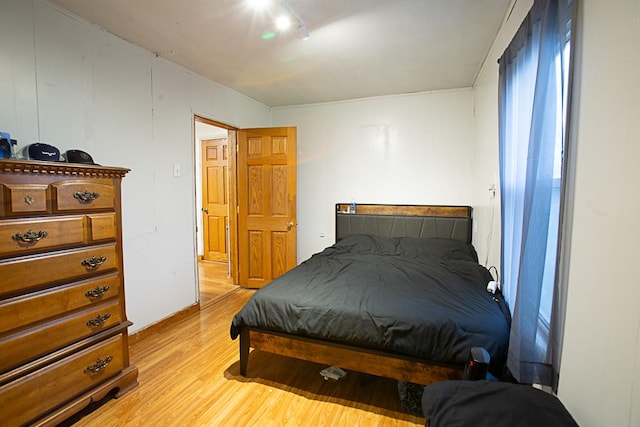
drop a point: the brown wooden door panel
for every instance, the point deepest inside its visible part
(267, 204)
(217, 230)
(215, 203)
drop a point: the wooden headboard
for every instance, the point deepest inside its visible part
(421, 221)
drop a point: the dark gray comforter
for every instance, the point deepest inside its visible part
(425, 298)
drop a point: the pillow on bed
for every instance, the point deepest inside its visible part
(491, 404)
(367, 243)
(409, 246)
(437, 248)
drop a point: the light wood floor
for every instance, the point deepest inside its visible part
(189, 376)
(214, 282)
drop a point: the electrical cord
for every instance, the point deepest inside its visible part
(496, 276)
(490, 232)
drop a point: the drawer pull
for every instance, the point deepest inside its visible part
(99, 365)
(29, 200)
(97, 292)
(86, 196)
(94, 261)
(30, 236)
(99, 320)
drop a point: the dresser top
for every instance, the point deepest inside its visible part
(60, 168)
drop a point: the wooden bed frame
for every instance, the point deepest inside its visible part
(387, 221)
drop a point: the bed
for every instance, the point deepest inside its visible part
(399, 295)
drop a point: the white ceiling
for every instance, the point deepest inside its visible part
(356, 49)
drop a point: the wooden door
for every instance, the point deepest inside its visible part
(215, 200)
(266, 171)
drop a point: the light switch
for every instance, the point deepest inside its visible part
(176, 169)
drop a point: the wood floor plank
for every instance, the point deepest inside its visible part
(190, 376)
(213, 281)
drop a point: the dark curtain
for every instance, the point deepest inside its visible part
(533, 99)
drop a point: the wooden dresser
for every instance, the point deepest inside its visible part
(63, 326)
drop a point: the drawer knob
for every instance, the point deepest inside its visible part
(85, 196)
(30, 236)
(99, 320)
(97, 292)
(99, 365)
(94, 261)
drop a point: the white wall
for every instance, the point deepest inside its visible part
(73, 85)
(406, 149)
(600, 372)
(600, 377)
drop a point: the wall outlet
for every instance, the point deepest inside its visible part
(492, 191)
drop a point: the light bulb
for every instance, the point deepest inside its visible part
(283, 22)
(259, 4)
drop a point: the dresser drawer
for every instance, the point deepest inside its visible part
(27, 309)
(21, 236)
(82, 196)
(64, 266)
(28, 398)
(102, 226)
(24, 199)
(29, 344)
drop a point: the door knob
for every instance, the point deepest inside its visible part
(289, 225)
(205, 210)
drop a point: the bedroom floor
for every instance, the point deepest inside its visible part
(189, 376)
(214, 282)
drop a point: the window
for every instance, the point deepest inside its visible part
(533, 96)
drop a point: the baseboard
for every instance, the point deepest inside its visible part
(164, 323)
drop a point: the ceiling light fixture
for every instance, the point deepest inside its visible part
(259, 4)
(301, 25)
(304, 31)
(283, 22)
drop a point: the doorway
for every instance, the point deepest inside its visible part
(213, 239)
(257, 229)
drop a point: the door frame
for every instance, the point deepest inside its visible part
(233, 186)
